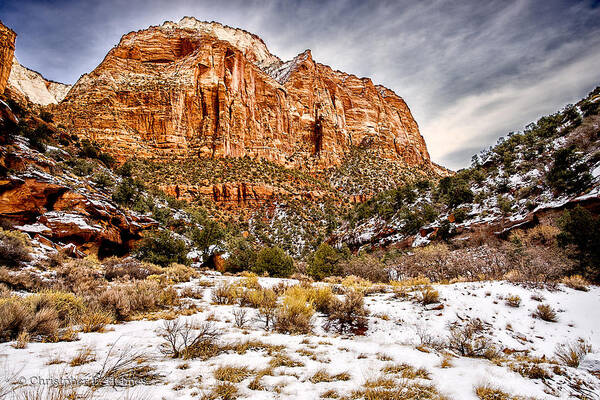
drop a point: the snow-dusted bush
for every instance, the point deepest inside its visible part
(348, 315)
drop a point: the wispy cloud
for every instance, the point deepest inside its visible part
(470, 70)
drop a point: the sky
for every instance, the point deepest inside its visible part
(470, 71)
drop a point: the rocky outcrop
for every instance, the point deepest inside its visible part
(61, 210)
(33, 87)
(7, 49)
(203, 89)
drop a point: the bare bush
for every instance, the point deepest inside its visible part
(470, 340)
(132, 268)
(240, 316)
(349, 315)
(125, 368)
(188, 340)
(365, 266)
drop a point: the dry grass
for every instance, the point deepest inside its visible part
(323, 376)
(295, 313)
(222, 391)
(224, 293)
(571, 354)
(406, 371)
(83, 356)
(545, 312)
(576, 282)
(385, 388)
(486, 392)
(231, 373)
(283, 360)
(429, 295)
(513, 301)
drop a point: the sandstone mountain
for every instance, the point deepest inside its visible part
(203, 89)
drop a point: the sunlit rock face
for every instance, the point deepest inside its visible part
(7, 50)
(203, 89)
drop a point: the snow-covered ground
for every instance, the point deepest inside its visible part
(396, 328)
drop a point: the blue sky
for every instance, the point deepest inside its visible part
(470, 71)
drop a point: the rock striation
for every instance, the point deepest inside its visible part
(193, 88)
(7, 50)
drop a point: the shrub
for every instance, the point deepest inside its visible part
(581, 230)
(103, 180)
(67, 305)
(348, 315)
(571, 354)
(162, 248)
(115, 268)
(576, 282)
(14, 248)
(125, 300)
(295, 313)
(46, 116)
(513, 301)
(188, 340)
(224, 294)
(568, 173)
(275, 262)
(323, 262)
(366, 266)
(469, 340)
(18, 315)
(546, 313)
(83, 167)
(212, 233)
(242, 255)
(130, 193)
(94, 319)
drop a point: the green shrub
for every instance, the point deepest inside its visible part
(580, 230)
(162, 248)
(323, 262)
(274, 261)
(242, 255)
(130, 193)
(103, 180)
(569, 173)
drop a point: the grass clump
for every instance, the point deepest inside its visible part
(571, 354)
(545, 312)
(231, 373)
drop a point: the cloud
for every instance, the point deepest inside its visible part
(470, 70)
(476, 121)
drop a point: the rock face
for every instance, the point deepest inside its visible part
(34, 87)
(60, 210)
(7, 49)
(203, 89)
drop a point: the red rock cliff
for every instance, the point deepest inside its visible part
(7, 50)
(196, 88)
